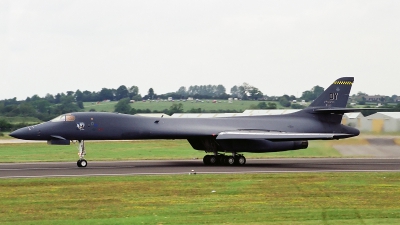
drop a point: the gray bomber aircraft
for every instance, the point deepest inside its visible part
(234, 135)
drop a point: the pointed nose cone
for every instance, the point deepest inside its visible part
(16, 134)
(23, 133)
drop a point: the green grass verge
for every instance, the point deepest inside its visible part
(137, 150)
(5, 135)
(21, 119)
(293, 198)
(206, 105)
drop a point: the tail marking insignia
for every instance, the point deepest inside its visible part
(343, 82)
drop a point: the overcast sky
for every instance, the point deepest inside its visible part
(280, 47)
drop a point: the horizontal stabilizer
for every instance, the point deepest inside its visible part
(344, 110)
(279, 136)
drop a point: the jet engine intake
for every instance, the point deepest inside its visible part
(205, 144)
(58, 142)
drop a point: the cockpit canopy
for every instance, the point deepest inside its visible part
(63, 118)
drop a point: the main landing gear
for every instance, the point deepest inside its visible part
(81, 153)
(235, 159)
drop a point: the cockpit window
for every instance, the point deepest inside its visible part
(58, 119)
(62, 118)
(69, 117)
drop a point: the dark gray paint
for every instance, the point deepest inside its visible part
(308, 124)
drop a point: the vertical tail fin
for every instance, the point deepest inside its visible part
(335, 95)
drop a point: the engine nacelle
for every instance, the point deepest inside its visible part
(247, 145)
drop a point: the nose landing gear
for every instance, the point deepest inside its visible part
(81, 153)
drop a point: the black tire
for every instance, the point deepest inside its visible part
(83, 163)
(212, 160)
(206, 160)
(230, 160)
(240, 160)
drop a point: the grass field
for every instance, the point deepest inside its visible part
(138, 150)
(294, 198)
(206, 105)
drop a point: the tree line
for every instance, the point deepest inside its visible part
(244, 92)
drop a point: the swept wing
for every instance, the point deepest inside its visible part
(278, 136)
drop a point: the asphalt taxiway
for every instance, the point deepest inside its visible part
(160, 167)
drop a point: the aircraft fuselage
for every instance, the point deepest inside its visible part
(114, 126)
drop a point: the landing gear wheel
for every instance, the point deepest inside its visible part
(230, 160)
(212, 160)
(206, 160)
(81, 152)
(241, 160)
(81, 163)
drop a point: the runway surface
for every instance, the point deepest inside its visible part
(159, 167)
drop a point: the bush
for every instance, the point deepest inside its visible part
(271, 105)
(4, 125)
(297, 106)
(123, 106)
(262, 105)
(284, 102)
